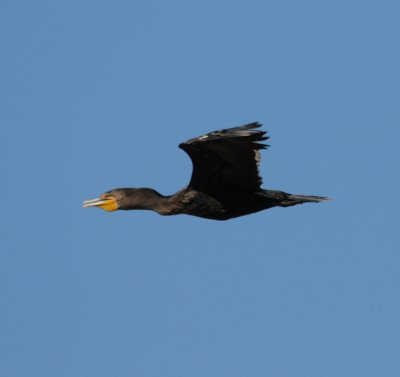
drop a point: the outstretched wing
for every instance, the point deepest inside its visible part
(226, 159)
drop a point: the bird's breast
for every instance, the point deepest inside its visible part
(195, 203)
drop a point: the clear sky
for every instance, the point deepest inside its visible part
(97, 95)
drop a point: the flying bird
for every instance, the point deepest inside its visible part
(225, 181)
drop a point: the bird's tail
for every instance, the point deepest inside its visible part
(292, 200)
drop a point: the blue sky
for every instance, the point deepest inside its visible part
(97, 95)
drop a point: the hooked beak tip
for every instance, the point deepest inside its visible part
(92, 203)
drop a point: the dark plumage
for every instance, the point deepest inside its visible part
(225, 182)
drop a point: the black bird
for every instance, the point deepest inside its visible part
(225, 181)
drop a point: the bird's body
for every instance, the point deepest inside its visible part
(225, 182)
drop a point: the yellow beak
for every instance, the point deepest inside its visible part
(107, 203)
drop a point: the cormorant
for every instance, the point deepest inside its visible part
(225, 181)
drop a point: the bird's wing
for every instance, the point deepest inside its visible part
(227, 159)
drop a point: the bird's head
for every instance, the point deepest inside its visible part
(107, 201)
(124, 198)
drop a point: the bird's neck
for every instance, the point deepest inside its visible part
(146, 198)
